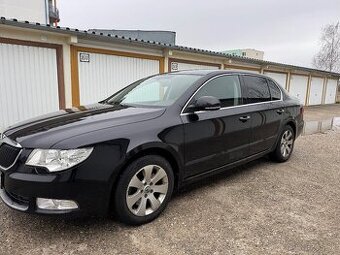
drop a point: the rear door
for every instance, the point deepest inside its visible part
(264, 118)
(216, 138)
(277, 112)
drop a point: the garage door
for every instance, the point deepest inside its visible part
(280, 78)
(100, 75)
(298, 87)
(316, 88)
(28, 82)
(243, 70)
(177, 65)
(331, 91)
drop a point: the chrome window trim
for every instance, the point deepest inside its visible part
(8, 141)
(234, 106)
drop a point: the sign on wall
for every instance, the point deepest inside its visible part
(84, 57)
(174, 66)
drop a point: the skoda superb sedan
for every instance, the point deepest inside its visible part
(127, 154)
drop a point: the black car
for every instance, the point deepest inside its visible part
(127, 154)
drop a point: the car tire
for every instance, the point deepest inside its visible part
(143, 190)
(285, 145)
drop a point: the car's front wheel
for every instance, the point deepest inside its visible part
(143, 190)
(285, 145)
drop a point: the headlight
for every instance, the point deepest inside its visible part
(57, 160)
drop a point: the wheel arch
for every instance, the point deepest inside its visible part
(290, 123)
(159, 149)
(293, 125)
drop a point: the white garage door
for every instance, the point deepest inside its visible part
(316, 88)
(280, 78)
(242, 70)
(331, 91)
(100, 75)
(180, 66)
(28, 82)
(298, 87)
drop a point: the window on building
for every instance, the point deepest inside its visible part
(257, 89)
(227, 89)
(243, 54)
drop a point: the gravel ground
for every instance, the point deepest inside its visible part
(260, 208)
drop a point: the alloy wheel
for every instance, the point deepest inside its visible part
(287, 143)
(147, 190)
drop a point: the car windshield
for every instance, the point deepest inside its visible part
(160, 90)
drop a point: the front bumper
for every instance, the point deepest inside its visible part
(20, 191)
(89, 184)
(12, 203)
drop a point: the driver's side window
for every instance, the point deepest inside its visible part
(226, 88)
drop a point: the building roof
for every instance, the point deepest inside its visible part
(153, 35)
(84, 34)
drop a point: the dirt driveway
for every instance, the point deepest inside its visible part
(260, 208)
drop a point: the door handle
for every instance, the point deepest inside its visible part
(244, 118)
(280, 111)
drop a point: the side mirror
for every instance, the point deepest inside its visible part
(205, 103)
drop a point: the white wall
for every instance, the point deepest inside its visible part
(39, 36)
(316, 88)
(31, 10)
(243, 70)
(280, 78)
(105, 74)
(298, 87)
(331, 91)
(28, 82)
(178, 66)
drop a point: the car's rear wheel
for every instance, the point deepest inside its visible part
(143, 190)
(285, 145)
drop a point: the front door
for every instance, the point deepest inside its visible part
(216, 138)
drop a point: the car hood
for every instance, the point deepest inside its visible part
(47, 130)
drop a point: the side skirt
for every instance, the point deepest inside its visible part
(218, 170)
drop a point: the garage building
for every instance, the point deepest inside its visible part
(45, 68)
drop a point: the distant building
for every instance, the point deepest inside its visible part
(41, 11)
(248, 53)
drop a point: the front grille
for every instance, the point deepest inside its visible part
(8, 155)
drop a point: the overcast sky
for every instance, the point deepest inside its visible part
(288, 31)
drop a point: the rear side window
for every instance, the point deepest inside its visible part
(226, 88)
(275, 92)
(257, 89)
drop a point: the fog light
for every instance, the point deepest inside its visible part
(56, 204)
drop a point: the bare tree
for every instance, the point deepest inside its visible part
(328, 58)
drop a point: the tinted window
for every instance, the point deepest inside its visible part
(227, 89)
(257, 89)
(275, 92)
